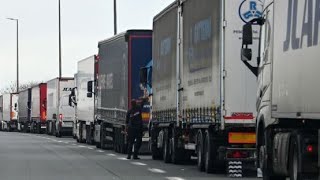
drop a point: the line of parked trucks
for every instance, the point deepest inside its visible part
(197, 97)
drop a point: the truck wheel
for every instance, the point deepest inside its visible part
(200, 154)
(295, 161)
(166, 150)
(102, 136)
(175, 152)
(210, 151)
(156, 153)
(265, 163)
(116, 140)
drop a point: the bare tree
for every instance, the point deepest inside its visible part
(13, 87)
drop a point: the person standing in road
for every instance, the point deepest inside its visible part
(134, 129)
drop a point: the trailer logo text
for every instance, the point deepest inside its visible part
(250, 9)
(67, 89)
(309, 26)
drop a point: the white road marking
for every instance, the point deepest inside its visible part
(138, 163)
(123, 159)
(74, 144)
(174, 178)
(155, 170)
(81, 146)
(90, 148)
(100, 151)
(60, 141)
(111, 155)
(66, 142)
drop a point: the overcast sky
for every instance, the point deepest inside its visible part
(84, 23)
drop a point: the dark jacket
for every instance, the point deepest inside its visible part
(134, 118)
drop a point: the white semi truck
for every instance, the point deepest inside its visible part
(60, 116)
(83, 103)
(288, 117)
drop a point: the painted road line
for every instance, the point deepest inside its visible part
(100, 151)
(111, 155)
(155, 170)
(122, 158)
(81, 146)
(90, 148)
(174, 178)
(138, 163)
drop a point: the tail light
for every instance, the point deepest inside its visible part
(237, 154)
(310, 149)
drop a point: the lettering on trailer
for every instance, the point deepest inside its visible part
(250, 9)
(67, 89)
(309, 26)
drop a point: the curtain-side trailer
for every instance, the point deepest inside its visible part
(202, 103)
(120, 59)
(24, 110)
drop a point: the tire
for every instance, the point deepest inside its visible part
(210, 153)
(175, 152)
(295, 161)
(200, 154)
(102, 136)
(116, 140)
(166, 150)
(267, 163)
(156, 153)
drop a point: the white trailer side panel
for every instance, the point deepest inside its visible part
(200, 63)
(52, 98)
(295, 90)
(6, 107)
(67, 112)
(85, 105)
(23, 105)
(240, 84)
(35, 103)
(164, 53)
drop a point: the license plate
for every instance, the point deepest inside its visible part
(242, 138)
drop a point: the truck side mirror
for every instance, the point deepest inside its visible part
(90, 86)
(247, 34)
(246, 53)
(144, 75)
(70, 100)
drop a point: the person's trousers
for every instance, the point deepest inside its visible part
(134, 138)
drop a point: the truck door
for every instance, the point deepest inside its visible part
(265, 66)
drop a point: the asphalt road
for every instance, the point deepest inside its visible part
(42, 157)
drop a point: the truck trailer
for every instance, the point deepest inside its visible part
(60, 116)
(39, 108)
(84, 104)
(24, 110)
(202, 102)
(287, 94)
(117, 83)
(10, 111)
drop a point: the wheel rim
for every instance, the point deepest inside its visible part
(295, 164)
